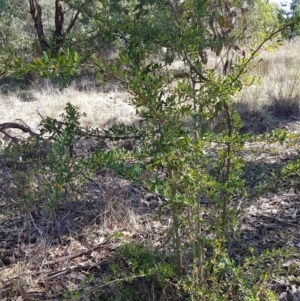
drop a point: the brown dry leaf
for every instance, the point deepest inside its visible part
(100, 254)
(100, 240)
(290, 243)
(294, 215)
(157, 244)
(55, 287)
(36, 290)
(74, 246)
(127, 233)
(71, 286)
(283, 296)
(290, 262)
(111, 227)
(145, 202)
(55, 253)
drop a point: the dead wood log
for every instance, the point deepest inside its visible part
(13, 125)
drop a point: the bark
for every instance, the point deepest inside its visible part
(72, 23)
(59, 24)
(59, 34)
(36, 14)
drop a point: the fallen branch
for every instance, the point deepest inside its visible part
(77, 254)
(293, 296)
(13, 125)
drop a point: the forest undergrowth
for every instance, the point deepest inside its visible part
(85, 218)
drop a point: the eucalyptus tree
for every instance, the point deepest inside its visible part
(295, 13)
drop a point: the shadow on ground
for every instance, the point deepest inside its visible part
(278, 113)
(45, 253)
(271, 212)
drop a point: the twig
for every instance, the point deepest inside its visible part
(40, 114)
(16, 140)
(65, 258)
(77, 254)
(274, 33)
(57, 274)
(293, 296)
(95, 289)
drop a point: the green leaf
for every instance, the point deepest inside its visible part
(123, 58)
(219, 45)
(38, 62)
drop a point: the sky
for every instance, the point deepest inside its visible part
(287, 2)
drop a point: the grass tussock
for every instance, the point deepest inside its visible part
(275, 97)
(102, 109)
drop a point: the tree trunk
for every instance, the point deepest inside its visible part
(59, 34)
(36, 14)
(59, 23)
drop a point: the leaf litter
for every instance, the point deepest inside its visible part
(43, 254)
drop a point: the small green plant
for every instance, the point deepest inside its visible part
(133, 268)
(24, 161)
(63, 167)
(189, 141)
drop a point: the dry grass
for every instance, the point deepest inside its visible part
(104, 206)
(107, 210)
(94, 219)
(107, 206)
(278, 86)
(276, 95)
(102, 109)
